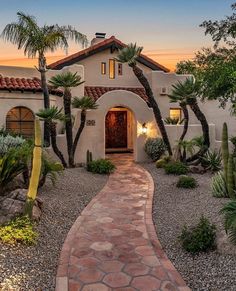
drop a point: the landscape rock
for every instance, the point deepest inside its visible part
(13, 205)
(197, 170)
(224, 246)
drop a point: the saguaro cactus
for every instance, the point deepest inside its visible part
(230, 177)
(225, 149)
(36, 170)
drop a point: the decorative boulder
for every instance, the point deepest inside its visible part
(13, 205)
(197, 170)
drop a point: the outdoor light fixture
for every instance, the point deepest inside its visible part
(144, 128)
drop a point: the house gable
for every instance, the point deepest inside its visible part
(113, 45)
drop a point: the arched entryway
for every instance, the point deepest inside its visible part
(119, 130)
(20, 120)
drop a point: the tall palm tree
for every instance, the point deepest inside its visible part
(52, 115)
(187, 91)
(84, 104)
(129, 55)
(36, 41)
(66, 81)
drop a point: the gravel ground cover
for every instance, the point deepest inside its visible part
(34, 268)
(174, 207)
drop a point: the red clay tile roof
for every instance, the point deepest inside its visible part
(98, 47)
(96, 92)
(24, 85)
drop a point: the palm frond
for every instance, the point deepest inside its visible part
(84, 103)
(129, 54)
(51, 114)
(66, 80)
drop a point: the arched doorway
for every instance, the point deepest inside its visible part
(20, 120)
(119, 130)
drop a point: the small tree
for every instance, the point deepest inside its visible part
(129, 55)
(84, 104)
(52, 115)
(66, 81)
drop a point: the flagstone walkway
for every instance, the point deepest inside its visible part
(113, 244)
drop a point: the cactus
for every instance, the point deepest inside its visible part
(225, 149)
(36, 170)
(87, 157)
(90, 156)
(230, 177)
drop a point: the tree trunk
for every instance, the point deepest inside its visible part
(56, 150)
(69, 126)
(42, 69)
(81, 127)
(152, 102)
(186, 121)
(205, 130)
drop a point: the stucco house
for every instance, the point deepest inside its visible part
(118, 123)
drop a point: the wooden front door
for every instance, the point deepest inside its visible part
(116, 129)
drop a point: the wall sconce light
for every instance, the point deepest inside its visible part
(144, 128)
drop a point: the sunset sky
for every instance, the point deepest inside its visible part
(167, 29)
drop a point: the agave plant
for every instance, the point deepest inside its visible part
(229, 212)
(212, 161)
(218, 185)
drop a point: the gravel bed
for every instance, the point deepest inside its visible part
(174, 207)
(34, 268)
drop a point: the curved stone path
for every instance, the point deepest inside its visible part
(113, 244)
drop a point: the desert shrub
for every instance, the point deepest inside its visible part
(50, 169)
(212, 161)
(218, 185)
(163, 161)
(101, 166)
(200, 238)
(19, 230)
(176, 168)
(186, 182)
(155, 148)
(8, 142)
(229, 212)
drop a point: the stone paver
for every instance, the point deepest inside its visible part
(113, 244)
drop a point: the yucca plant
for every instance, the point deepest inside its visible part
(218, 185)
(66, 81)
(84, 103)
(52, 115)
(130, 55)
(36, 41)
(229, 212)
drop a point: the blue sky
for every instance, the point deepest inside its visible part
(168, 29)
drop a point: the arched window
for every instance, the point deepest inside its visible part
(20, 120)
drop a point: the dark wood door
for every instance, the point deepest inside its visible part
(116, 129)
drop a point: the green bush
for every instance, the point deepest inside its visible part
(201, 238)
(176, 168)
(101, 166)
(218, 185)
(8, 142)
(19, 230)
(229, 212)
(186, 182)
(163, 161)
(212, 161)
(155, 148)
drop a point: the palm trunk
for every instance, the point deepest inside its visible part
(186, 121)
(42, 70)
(56, 150)
(205, 130)
(81, 127)
(69, 126)
(156, 110)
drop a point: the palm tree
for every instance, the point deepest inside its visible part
(67, 81)
(83, 103)
(129, 55)
(36, 42)
(187, 92)
(52, 115)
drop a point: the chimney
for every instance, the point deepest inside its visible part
(99, 36)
